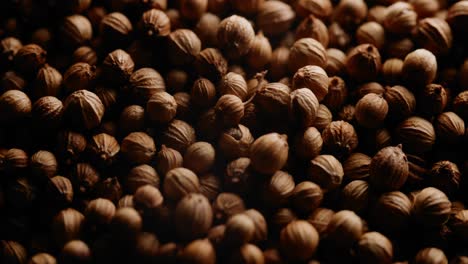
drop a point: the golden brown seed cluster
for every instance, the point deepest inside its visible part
(233, 131)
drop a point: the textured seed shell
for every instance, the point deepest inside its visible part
(401, 102)
(114, 26)
(9, 46)
(70, 145)
(364, 62)
(126, 222)
(419, 67)
(426, 8)
(141, 175)
(12, 81)
(303, 106)
(391, 70)
(313, 77)
(207, 28)
(210, 185)
(392, 212)
(236, 35)
(307, 51)
(435, 35)
(247, 7)
(431, 207)
(199, 157)
(148, 197)
(30, 58)
(60, 190)
(105, 147)
(457, 16)
(278, 188)
(179, 135)
(275, 17)
(43, 163)
(226, 205)
(84, 108)
(326, 171)
(355, 196)
(338, 37)
(161, 107)
(42, 258)
(337, 94)
(238, 175)
(239, 230)
(199, 251)
(335, 62)
(356, 166)
(312, 27)
(340, 138)
(319, 8)
(179, 182)
(449, 127)
(110, 188)
(184, 45)
(320, 218)
(14, 104)
(67, 225)
(459, 223)
(350, 13)
(132, 119)
(85, 54)
(273, 99)
(155, 23)
(168, 159)
(84, 178)
(118, 66)
(77, 30)
(345, 228)
(100, 211)
(79, 76)
(261, 228)
(247, 253)
(389, 169)
(324, 117)
(445, 176)
(308, 143)
(210, 63)
(15, 159)
(371, 110)
(367, 88)
(12, 252)
(235, 142)
(430, 254)
(306, 197)
(193, 217)
(433, 99)
(279, 62)
(299, 240)
(400, 18)
(138, 148)
(416, 134)
(75, 249)
(269, 153)
(144, 83)
(260, 52)
(375, 248)
(233, 83)
(203, 93)
(372, 33)
(193, 9)
(48, 82)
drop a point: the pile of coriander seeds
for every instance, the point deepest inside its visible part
(233, 131)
